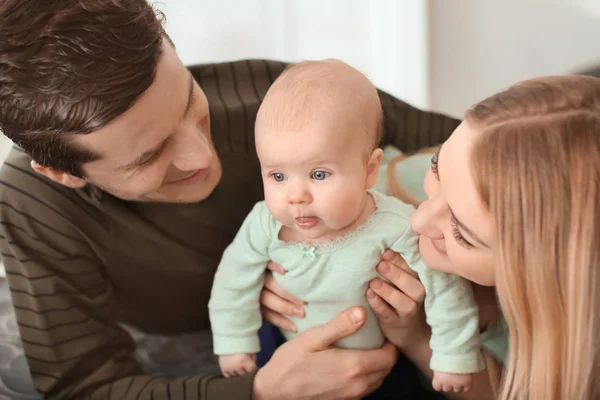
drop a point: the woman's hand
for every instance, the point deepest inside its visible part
(398, 303)
(276, 303)
(399, 308)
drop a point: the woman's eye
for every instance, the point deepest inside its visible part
(278, 176)
(458, 236)
(320, 175)
(434, 164)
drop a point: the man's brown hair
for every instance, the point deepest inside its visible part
(70, 67)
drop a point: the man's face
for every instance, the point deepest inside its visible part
(161, 148)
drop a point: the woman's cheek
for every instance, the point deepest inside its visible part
(456, 257)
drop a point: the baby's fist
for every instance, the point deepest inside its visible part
(237, 364)
(444, 382)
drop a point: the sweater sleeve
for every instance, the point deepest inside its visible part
(234, 305)
(409, 128)
(451, 313)
(65, 304)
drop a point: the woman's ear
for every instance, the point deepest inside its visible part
(59, 176)
(373, 168)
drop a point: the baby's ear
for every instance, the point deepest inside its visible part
(373, 168)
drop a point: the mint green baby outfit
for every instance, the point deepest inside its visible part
(333, 277)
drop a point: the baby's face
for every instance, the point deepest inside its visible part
(315, 179)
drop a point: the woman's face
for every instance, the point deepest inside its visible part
(456, 232)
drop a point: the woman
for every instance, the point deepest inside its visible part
(514, 206)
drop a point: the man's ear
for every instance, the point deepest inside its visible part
(373, 168)
(59, 176)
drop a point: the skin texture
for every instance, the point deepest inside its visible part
(187, 169)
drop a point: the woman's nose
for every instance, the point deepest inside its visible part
(428, 218)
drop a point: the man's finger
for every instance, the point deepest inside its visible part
(273, 286)
(344, 324)
(273, 266)
(280, 305)
(278, 320)
(380, 361)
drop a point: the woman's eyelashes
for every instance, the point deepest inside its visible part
(457, 235)
(453, 222)
(434, 165)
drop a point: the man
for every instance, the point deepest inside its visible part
(131, 176)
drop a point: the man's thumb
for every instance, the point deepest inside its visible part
(345, 324)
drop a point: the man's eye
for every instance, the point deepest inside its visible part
(147, 161)
(278, 176)
(320, 175)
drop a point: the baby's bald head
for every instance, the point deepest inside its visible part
(327, 93)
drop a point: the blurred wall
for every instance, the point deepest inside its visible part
(435, 54)
(385, 39)
(479, 47)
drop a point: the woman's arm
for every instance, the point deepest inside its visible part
(485, 383)
(402, 319)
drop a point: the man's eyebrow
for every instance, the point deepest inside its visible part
(460, 224)
(150, 154)
(147, 156)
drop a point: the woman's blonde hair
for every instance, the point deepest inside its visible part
(536, 167)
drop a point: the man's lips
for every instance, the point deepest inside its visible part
(306, 222)
(196, 175)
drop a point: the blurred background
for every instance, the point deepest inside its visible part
(440, 55)
(435, 54)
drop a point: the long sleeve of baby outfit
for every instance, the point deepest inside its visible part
(451, 313)
(234, 307)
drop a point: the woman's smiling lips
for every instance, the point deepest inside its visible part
(437, 247)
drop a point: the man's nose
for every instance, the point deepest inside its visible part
(192, 150)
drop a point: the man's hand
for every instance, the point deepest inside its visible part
(237, 364)
(276, 303)
(308, 367)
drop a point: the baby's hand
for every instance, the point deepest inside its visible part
(444, 382)
(237, 364)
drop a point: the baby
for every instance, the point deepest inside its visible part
(317, 132)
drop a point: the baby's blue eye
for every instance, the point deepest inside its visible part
(320, 175)
(278, 176)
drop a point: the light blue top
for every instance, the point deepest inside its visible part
(333, 277)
